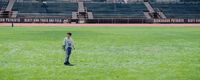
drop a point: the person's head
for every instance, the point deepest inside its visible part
(69, 34)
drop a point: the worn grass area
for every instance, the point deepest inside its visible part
(102, 53)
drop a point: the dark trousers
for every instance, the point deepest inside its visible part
(68, 53)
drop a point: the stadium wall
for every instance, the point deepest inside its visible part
(97, 21)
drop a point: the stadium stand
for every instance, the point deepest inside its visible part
(108, 11)
(3, 5)
(48, 9)
(179, 10)
(116, 10)
(189, 1)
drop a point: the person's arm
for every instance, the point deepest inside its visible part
(73, 44)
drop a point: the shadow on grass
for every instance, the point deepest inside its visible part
(70, 65)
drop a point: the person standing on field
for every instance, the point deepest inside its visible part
(68, 45)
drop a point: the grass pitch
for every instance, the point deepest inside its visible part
(102, 53)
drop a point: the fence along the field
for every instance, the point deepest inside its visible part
(96, 21)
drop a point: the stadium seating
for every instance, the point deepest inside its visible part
(189, 0)
(103, 9)
(50, 9)
(3, 5)
(179, 10)
(117, 10)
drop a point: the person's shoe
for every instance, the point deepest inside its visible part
(66, 63)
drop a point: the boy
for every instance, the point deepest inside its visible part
(67, 46)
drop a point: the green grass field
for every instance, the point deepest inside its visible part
(102, 53)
